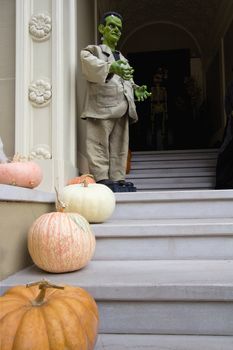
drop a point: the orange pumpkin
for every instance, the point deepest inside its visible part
(21, 173)
(80, 179)
(55, 319)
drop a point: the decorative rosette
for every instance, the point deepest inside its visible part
(40, 27)
(40, 93)
(40, 152)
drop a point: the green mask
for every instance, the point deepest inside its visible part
(111, 31)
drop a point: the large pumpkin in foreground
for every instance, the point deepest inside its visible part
(47, 319)
(96, 202)
(61, 242)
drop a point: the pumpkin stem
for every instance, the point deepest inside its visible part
(43, 285)
(60, 206)
(84, 179)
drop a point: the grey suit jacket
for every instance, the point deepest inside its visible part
(108, 95)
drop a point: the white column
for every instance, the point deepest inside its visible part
(46, 88)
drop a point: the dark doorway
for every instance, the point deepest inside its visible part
(165, 120)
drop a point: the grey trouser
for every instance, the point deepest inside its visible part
(107, 146)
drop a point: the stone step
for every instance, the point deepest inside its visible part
(162, 342)
(167, 164)
(172, 172)
(170, 179)
(173, 180)
(11, 193)
(173, 156)
(162, 280)
(153, 297)
(175, 187)
(174, 183)
(177, 152)
(164, 239)
(174, 204)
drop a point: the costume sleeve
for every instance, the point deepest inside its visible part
(94, 69)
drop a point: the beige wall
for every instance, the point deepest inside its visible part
(15, 220)
(7, 75)
(86, 36)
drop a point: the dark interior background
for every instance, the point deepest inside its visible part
(180, 121)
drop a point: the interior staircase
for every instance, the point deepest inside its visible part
(173, 170)
(162, 273)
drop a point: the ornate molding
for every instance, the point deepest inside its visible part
(40, 93)
(41, 80)
(40, 27)
(40, 152)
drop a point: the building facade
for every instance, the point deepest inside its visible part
(42, 88)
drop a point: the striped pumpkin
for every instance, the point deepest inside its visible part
(61, 242)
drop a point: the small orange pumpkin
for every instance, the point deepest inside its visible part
(55, 319)
(80, 179)
(21, 172)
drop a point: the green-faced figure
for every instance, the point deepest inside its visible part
(111, 32)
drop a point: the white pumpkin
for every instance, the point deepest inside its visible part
(96, 202)
(61, 242)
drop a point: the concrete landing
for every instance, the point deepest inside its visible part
(143, 280)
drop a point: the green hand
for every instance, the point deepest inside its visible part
(141, 93)
(122, 69)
